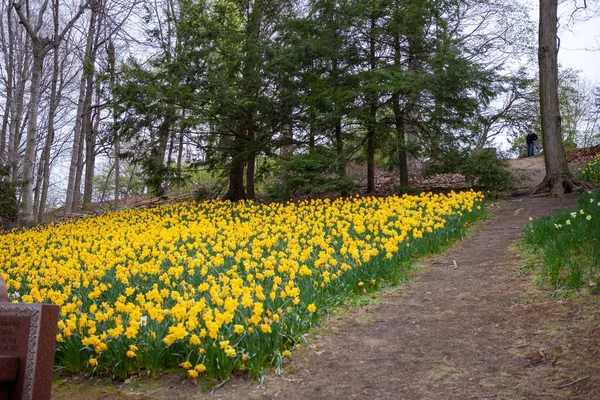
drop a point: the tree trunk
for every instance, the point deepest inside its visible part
(76, 165)
(79, 172)
(236, 189)
(558, 178)
(338, 133)
(8, 50)
(39, 53)
(311, 135)
(91, 127)
(251, 166)
(399, 122)
(110, 53)
(37, 188)
(180, 150)
(17, 113)
(55, 95)
(372, 121)
(159, 149)
(400, 140)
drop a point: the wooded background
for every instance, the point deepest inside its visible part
(102, 99)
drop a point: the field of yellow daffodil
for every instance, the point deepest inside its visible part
(216, 286)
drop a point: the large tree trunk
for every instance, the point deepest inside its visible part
(558, 179)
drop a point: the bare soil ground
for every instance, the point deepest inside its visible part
(469, 324)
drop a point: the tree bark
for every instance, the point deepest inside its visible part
(55, 97)
(110, 53)
(8, 50)
(372, 121)
(90, 129)
(236, 189)
(251, 166)
(180, 149)
(558, 179)
(17, 112)
(399, 122)
(39, 47)
(76, 165)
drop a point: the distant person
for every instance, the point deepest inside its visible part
(531, 137)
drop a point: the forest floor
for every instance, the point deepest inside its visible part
(471, 323)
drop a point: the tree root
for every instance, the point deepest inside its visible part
(560, 184)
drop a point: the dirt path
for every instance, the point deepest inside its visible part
(455, 333)
(465, 326)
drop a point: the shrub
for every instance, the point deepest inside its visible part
(9, 206)
(310, 174)
(483, 169)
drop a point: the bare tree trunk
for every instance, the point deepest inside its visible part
(372, 115)
(39, 53)
(288, 137)
(90, 131)
(311, 136)
(37, 188)
(8, 47)
(399, 122)
(17, 112)
(170, 153)
(55, 95)
(338, 133)
(251, 166)
(80, 166)
(236, 189)
(117, 171)
(558, 177)
(40, 48)
(76, 165)
(106, 183)
(110, 52)
(180, 147)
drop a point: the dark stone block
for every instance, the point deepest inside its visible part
(27, 335)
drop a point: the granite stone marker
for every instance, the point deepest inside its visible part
(27, 344)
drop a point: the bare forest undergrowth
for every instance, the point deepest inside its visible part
(467, 325)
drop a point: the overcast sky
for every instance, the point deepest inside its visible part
(579, 40)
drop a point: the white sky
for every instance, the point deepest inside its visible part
(579, 39)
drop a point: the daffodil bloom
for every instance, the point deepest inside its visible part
(186, 365)
(200, 368)
(213, 275)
